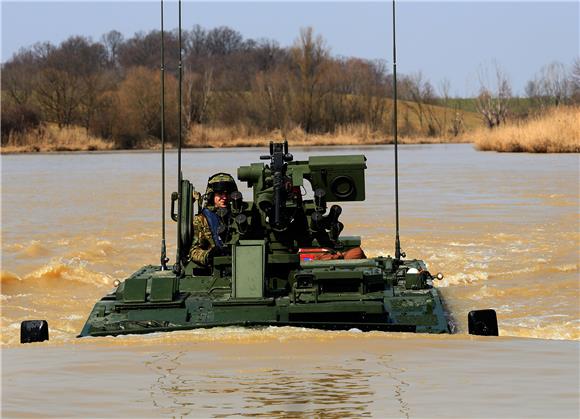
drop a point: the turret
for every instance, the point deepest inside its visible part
(279, 189)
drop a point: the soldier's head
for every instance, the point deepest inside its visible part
(219, 188)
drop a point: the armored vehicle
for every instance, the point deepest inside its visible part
(272, 274)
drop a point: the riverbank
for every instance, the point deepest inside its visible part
(53, 139)
(557, 131)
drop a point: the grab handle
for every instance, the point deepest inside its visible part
(174, 198)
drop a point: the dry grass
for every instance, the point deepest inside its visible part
(51, 138)
(556, 132)
(242, 136)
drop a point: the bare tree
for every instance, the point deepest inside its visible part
(144, 50)
(272, 96)
(423, 95)
(223, 41)
(58, 94)
(112, 41)
(66, 76)
(444, 88)
(555, 82)
(574, 80)
(267, 54)
(195, 41)
(198, 95)
(16, 77)
(458, 123)
(93, 99)
(493, 100)
(551, 86)
(138, 105)
(310, 56)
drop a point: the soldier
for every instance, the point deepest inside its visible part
(208, 226)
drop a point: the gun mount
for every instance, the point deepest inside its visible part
(283, 215)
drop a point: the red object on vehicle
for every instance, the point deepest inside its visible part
(312, 253)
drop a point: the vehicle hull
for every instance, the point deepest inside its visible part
(393, 308)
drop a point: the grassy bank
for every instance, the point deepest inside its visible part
(52, 139)
(413, 126)
(201, 136)
(558, 131)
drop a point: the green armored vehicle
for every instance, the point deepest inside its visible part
(271, 274)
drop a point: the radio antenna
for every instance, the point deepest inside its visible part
(398, 252)
(177, 266)
(164, 258)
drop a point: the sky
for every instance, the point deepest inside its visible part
(452, 40)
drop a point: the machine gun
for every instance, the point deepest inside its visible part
(278, 195)
(279, 158)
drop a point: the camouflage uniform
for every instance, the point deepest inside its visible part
(204, 243)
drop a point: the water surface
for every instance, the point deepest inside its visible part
(503, 228)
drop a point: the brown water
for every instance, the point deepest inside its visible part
(503, 228)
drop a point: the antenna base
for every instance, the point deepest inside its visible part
(177, 269)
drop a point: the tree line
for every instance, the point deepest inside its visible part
(111, 87)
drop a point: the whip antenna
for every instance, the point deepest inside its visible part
(398, 252)
(177, 266)
(164, 258)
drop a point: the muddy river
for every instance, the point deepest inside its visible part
(503, 229)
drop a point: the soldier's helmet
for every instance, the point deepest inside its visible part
(220, 182)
